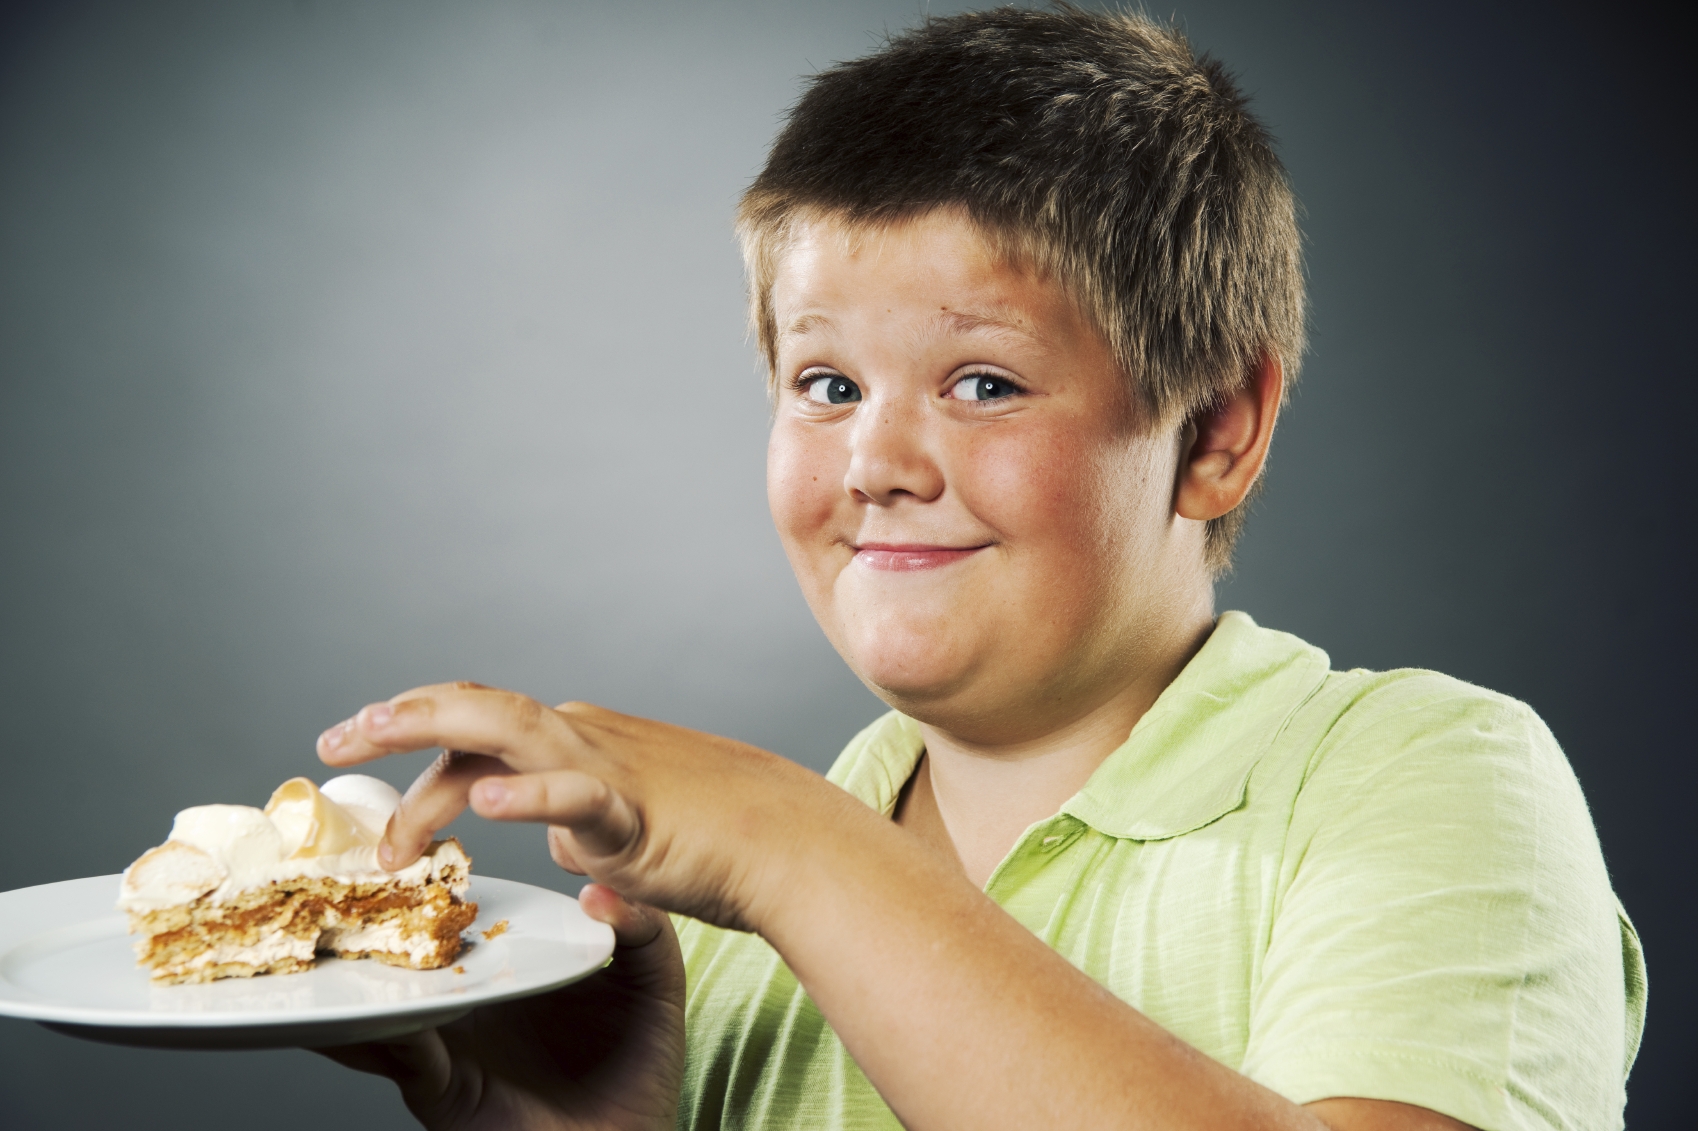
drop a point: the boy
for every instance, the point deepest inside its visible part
(1029, 291)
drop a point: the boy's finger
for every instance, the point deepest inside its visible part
(372, 1059)
(502, 724)
(599, 819)
(647, 958)
(346, 744)
(431, 804)
(560, 850)
(418, 1063)
(634, 924)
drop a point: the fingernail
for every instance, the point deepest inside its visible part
(379, 714)
(385, 855)
(333, 737)
(493, 793)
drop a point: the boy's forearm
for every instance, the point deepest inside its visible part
(962, 1018)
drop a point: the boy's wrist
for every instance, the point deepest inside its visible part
(813, 858)
(844, 869)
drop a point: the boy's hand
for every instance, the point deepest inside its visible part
(605, 1053)
(681, 820)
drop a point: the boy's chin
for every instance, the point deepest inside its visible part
(971, 693)
(920, 661)
(962, 708)
(913, 686)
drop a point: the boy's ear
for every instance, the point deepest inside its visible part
(1224, 446)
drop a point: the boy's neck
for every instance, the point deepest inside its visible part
(973, 800)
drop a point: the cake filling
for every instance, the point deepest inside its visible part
(237, 891)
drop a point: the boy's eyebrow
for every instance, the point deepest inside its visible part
(949, 321)
(996, 321)
(805, 324)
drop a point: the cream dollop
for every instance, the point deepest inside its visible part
(371, 801)
(238, 836)
(304, 830)
(313, 825)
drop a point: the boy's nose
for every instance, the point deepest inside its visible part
(890, 456)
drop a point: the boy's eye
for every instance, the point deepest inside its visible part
(982, 387)
(833, 389)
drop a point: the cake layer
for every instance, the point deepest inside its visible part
(238, 891)
(281, 927)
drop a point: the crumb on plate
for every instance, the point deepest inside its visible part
(496, 931)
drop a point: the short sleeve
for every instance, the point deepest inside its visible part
(1445, 934)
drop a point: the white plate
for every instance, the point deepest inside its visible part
(66, 961)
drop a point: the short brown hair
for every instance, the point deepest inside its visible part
(1095, 147)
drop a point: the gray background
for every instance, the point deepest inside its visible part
(349, 346)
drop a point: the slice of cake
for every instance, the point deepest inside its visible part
(238, 891)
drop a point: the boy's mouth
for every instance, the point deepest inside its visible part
(907, 557)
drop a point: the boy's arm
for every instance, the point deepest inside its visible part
(957, 1014)
(963, 1018)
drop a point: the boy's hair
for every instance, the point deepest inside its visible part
(1093, 147)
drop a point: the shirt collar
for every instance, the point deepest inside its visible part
(878, 762)
(1186, 763)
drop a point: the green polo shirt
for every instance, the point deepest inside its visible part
(1376, 884)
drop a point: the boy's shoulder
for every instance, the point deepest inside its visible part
(1437, 756)
(1369, 721)
(1361, 694)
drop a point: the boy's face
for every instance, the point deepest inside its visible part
(978, 516)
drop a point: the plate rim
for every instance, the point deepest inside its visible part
(471, 997)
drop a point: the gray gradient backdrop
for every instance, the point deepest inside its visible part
(349, 346)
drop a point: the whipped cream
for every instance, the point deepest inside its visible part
(304, 831)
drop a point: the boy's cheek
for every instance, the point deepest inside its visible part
(803, 490)
(1023, 489)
